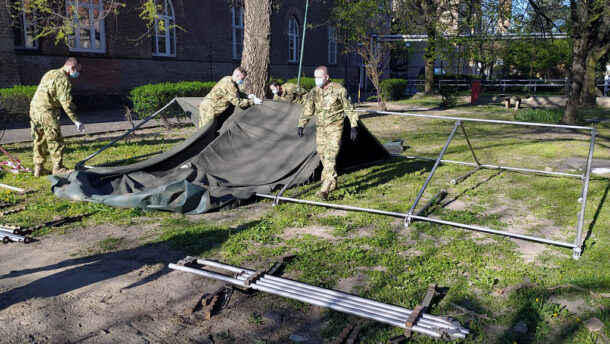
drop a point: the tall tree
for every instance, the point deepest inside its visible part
(590, 28)
(434, 18)
(360, 25)
(257, 43)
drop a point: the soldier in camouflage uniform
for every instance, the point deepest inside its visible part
(52, 94)
(287, 92)
(328, 101)
(225, 94)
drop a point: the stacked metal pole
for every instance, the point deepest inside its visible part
(10, 234)
(430, 325)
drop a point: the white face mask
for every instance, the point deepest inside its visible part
(274, 91)
(319, 82)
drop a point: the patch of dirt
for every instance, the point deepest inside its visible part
(65, 288)
(576, 305)
(252, 211)
(323, 232)
(335, 212)
(351, 284)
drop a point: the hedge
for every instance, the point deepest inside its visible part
(309, 83)
(15, 102)
(147, 99)
(393, 89)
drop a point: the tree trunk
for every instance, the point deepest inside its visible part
(578, 76)
(590, 91)
(429, 59)
(257, 43)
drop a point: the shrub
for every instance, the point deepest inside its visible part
(147, 99)
(448, 99)
(15, 102)
(539, 115)
(309, 83)
(393, 89)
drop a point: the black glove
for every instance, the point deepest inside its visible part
(353, 133)
(300, 132)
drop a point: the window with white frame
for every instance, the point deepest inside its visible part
(88, 23)
(24, 30)
(332, 45)
(237, 23)
(164, 35)
(293, 39)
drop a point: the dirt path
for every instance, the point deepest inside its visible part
(56, 290)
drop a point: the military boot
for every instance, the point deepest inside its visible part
(322, 194)
(40, 171)
(61, 170)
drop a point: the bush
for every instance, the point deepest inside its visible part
(147, 99)
(309, 83)
(393, 89)
(540, 115)
(15, 102)
(448, 99)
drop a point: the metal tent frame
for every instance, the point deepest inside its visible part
(412, 214)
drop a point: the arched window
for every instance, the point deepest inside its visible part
(237, 23)
(293, 39)
(332, 45)
(164, 35)
(88, 22)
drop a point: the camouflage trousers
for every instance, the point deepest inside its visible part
(328, 143)
(204, 118)
(48, 140)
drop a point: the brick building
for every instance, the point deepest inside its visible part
(206, 48)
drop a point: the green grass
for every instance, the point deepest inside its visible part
(395, 263)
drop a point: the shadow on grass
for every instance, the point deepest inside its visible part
(602, 201)
(394, 168)
(84, 271)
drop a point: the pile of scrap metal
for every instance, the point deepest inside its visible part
(411, 320)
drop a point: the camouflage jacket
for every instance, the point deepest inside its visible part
(291, 93)
(329, 105)
(223, 95)
(53, 94)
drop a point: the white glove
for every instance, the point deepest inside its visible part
(79, 126)
(255, 99)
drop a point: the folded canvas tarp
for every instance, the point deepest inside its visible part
(256, 150)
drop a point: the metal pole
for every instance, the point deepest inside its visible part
(464, 176)
(79, 165)
(465, 119)
(438, 161)
(206, 273)
(302, 45)
(469, 144)
(13, 188)
(493, 231)
(330, 205)
(583, 197)
(495, 167)
(432, 200)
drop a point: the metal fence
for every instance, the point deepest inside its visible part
(531, 86)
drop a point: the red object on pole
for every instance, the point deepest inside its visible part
(475, 92)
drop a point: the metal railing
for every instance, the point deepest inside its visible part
(533, 85)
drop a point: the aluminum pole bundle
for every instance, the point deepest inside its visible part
(427, 324)
(9, 235)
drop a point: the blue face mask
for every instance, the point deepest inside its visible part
(74, 74)
(240, 81)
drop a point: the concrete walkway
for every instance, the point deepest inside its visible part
(95, 123)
